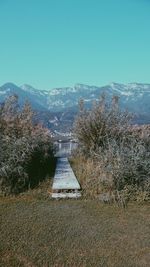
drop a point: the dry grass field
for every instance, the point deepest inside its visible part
(37, 231)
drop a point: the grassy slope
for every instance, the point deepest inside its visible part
(38, 231)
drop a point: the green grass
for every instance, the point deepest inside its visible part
(38, 231)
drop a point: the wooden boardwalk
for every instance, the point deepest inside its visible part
(65, 184)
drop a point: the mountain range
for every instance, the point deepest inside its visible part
(57, 107)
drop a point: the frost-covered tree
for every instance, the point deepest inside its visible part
(22, 146)
(118, 153)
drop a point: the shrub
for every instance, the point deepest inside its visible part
(118, 152)
(24, 148)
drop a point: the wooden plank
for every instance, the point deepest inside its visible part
(66, 195)
(64, 177)
(65, 184)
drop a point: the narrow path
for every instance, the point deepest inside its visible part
(65, 184)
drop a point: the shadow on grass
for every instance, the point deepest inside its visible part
(40, 168)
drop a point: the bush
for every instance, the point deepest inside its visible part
(118, 152)
(25, 148)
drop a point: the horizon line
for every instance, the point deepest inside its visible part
(76, 84)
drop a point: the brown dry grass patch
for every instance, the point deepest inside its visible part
(37, 231)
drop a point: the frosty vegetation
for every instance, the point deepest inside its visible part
(25, 148)
(113, 157)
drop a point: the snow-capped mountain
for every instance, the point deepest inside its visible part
(32, 96)
(134, 96)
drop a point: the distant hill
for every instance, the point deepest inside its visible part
(57, 107)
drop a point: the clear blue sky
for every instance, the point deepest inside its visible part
(52, 43)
